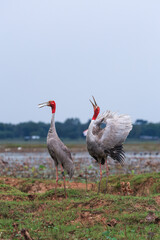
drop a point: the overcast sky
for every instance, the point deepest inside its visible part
(69, 50)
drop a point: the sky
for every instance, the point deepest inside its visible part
(68, 51)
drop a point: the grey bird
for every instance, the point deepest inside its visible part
(57, 150)
(106, 135)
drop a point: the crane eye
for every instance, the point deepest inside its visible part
(103, 125)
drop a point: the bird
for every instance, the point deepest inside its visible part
(105, 137)
(58, 151)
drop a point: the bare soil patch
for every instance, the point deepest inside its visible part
(144, 188)
(157, 199)
(41, 187)
(89, 219)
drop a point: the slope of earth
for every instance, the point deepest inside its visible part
(29, 209)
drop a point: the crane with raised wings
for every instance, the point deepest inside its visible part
(106, 135)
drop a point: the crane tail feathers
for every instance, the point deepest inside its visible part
(117, 153)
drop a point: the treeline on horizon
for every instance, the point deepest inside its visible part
(72, 129)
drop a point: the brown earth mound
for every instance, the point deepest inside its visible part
(41, 186)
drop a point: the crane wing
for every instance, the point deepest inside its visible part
(66, 151)
(116, 130)
(61, 154)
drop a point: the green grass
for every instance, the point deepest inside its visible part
(80, 144)
(140, 146)
(141, 184)
(83, 215)
(15, 143)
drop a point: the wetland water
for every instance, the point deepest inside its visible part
(40, 165)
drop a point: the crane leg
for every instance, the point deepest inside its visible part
(64, 181)
(99, 186)
(56, 180)
(107, 175)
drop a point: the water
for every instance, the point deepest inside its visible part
(40, 165)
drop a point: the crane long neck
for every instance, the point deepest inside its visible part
(95, 115)
(52, 126)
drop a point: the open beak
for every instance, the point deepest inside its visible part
(43, 104)
(93, 104)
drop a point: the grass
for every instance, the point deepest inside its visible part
(39, 144)
(140, 146)
(84, 214)
(136, 146)
(141, 184)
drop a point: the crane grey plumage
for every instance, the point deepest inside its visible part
(106, 135)
(58, 151)
(102, 142)
(56, 148)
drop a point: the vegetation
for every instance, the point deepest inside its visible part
(76, 145)
(39, 214)
(72, 129)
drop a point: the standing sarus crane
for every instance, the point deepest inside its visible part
(106, 135)
(57, 150)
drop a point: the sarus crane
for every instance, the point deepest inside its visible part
(57, 150)
(105, 137)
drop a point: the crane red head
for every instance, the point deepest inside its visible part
(96, 109)
(50, 103)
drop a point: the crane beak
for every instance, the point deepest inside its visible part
(43, 104)
(93, 104)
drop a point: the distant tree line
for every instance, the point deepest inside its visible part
(73, 129)
(145, 130)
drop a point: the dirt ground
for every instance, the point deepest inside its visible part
(42, 187)
(38, 186)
